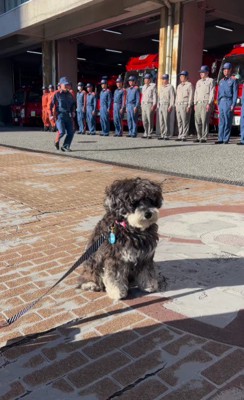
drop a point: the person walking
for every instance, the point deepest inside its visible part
(64, 104)
(227, 96)
(45, 113)
(81, 108)
(148, 105)
(184, 101)
(132, 106)
(203, 102)
(242, 118)
(165, 106)
(119, 107)
(105, 106)
(91, 106)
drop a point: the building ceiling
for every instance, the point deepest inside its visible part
(137, 30)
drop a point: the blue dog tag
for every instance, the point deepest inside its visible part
(112, 238)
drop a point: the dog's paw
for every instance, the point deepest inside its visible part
(90, 286)
(117, 293)
(151, 287)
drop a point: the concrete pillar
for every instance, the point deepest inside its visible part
(169, 48)
(7, 90)
(193, 28)
(176, 43)
(67, 60)
(48, 63)
(6, 75)
(162, 44)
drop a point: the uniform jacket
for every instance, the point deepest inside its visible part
(50, 99)
(120, 97)
(228, 89)
(204, 91)
(81, 100)
(149, 94)
(45, 100)
(63, 101)
(167, 95)
(133, 96)
(185, 93)
(91, 101)
(105, 99)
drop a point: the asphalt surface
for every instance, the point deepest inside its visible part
(220, 163)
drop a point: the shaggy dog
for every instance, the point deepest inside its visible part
(132, 207)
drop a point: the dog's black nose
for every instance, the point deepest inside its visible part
(148, 214)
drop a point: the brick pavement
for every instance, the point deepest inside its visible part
(84, 345)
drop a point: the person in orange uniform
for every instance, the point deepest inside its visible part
(45, 113)
(50, 99)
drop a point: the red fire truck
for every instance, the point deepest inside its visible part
(236, 58)
(26, 107)
(138, 67)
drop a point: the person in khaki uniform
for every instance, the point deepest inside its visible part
(184, 101)
(148, 105)
(203, 100)
(165, 106)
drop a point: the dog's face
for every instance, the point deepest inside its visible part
(135, 200)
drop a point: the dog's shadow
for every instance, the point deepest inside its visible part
(202, 273)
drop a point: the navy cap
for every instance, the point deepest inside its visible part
(227, 65)
(119, 80)
(89, 85)
(204, 68)
(51, 86)
(80, 84)
(165, 76)
(132, 78)
(103, 81)
(64, 81)
(185, 73)
(147, 76)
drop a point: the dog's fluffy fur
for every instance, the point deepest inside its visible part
(136, 203)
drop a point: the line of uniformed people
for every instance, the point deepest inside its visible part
(185, 98)
(60, 106)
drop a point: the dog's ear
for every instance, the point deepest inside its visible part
(116, 198)
(155, 193)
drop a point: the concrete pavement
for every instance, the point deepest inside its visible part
(185, 342)
(221, 163)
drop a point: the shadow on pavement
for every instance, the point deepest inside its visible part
(129, 356)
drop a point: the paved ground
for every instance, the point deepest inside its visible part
(205, 161)
(185, 342)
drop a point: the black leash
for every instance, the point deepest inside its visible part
(92, 249)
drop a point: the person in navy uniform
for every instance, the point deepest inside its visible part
(64, 104)
(227, 97)
(105, 105)
(119, 106)
(81, 108)
(91, 106)
(132, 106)
(242, 118)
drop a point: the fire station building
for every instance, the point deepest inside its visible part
(43, 40)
